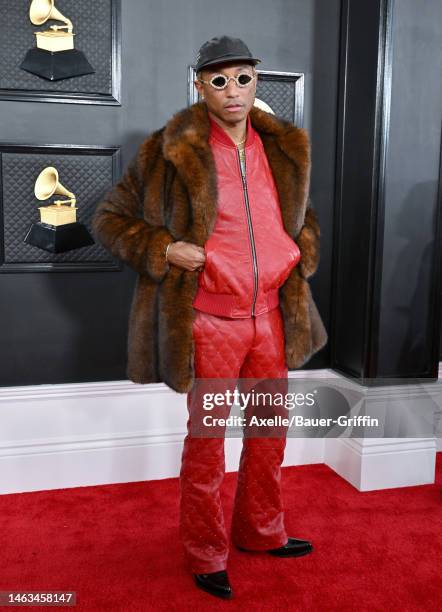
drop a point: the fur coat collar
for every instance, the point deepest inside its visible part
(186, 145)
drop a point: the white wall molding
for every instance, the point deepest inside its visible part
(372, 464)
(58, 436)
(439, 428)
(80, 390)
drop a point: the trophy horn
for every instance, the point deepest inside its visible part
(48, 183)
(263, 106)
(42, 10)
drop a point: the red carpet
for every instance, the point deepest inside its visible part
(117, 547)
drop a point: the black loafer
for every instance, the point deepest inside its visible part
(293, 548)
(216, 583)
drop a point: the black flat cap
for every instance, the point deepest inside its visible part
(223, 49)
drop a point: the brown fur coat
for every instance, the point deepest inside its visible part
(169, 192)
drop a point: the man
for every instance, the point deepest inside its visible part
(213, 214)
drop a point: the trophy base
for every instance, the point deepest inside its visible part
(54, 66)
(58, 238)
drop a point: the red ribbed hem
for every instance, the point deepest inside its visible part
(273, 298)
(226, 304)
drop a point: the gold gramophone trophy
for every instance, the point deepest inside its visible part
(58, 229)
(54, 58)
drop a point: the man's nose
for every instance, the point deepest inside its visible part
(231, 89)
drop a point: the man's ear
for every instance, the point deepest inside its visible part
(198, 85)
(199, 89)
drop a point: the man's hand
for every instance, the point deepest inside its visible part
(186, 255)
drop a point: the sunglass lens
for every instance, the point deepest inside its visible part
(219, 81)
(244, 79)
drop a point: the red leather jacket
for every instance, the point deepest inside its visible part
(249, 255)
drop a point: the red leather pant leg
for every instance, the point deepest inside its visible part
(232, 348)
(258, 516)
(220, 348)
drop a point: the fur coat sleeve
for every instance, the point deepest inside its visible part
(120, 225)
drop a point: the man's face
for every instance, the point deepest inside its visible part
(233, 103)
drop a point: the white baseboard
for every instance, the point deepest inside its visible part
(61, 436)
(372, 464)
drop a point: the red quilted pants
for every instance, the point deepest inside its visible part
(230, 349)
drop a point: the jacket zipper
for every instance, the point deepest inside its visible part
(249, 222)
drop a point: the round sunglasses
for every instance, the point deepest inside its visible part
(219, 81)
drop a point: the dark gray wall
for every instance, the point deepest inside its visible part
(71, 327)
(412, 174)
(387, 255)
